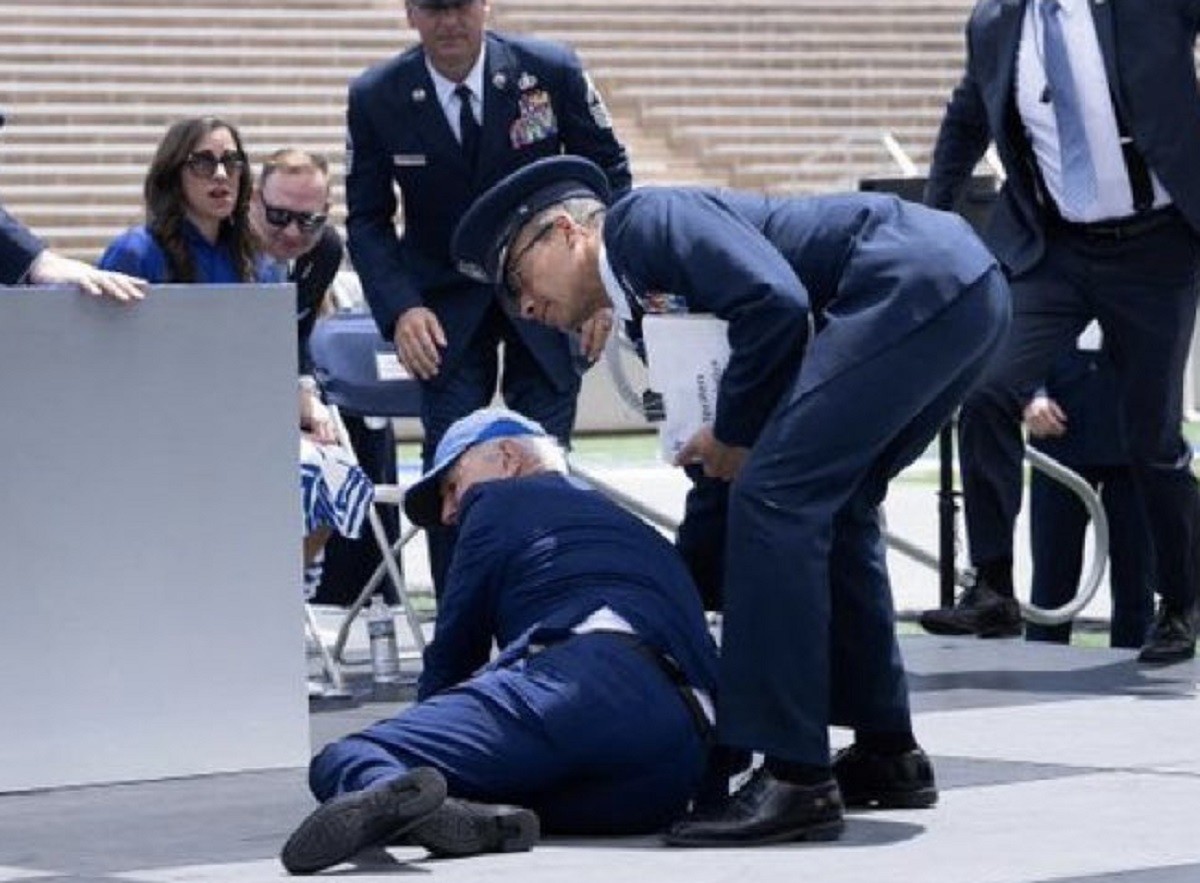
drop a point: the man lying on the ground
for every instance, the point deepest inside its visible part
(595, 715)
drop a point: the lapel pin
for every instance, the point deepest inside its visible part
(418, 94)
(527, 81)
(499, 80)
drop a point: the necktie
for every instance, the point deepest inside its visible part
(468, 126)
(1078, 173)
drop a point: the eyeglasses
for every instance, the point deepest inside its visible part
(204, 162)
(512, 274)
(306, 222)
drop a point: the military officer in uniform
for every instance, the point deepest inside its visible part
(596, 711)
(443, 121)
(856, 325)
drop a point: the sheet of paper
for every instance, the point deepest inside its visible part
(685, 355)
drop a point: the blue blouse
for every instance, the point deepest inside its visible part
(137, 253)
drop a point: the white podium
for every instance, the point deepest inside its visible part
(150, 606)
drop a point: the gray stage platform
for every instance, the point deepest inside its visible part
(1055, 763)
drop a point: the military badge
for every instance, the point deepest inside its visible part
(596, 105)
(535, 121)
(418, 94)
(526, 82)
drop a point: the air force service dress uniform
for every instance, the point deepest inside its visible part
(537, 102)
(856, 325)
(580, 717)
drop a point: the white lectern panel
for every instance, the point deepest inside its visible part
(150, 607)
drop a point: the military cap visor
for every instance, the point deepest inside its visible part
(481, 241)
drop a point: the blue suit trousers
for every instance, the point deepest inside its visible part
(589, 733)
(808, 636)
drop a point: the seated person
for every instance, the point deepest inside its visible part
(597, 710)
(197, 193)
(289, 213)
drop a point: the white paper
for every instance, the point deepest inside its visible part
(686, 355)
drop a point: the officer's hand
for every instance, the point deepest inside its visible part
(50, 268)
(418, 338)
(316, 419)
(593, 334)
(718, 459)
(1045, 418)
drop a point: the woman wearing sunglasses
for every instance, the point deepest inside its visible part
(197, 229)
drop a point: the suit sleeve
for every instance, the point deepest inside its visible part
(18, 249)
(694, 245)
(371, 217)
(462, 641)
(962, 140)
(587, 130)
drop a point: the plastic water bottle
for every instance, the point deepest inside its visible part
(385, 657)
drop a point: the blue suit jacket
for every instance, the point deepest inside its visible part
(398, 134)
(18, 248)
(854, 273)
(535, 556)
(1147, 49)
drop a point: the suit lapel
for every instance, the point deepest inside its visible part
(1005, 36)
(499, 106)
(420, 98)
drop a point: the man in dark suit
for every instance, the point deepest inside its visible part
(443, 121)
(856, 325)
(1093, 110)
(596, 711)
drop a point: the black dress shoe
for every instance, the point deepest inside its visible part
(350, 823)
(885, 781)
(764, 810)
(461, 827)
(1172, 637)
(978, 611)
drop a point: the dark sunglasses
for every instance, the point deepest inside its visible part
(306, 222)
(204, 162)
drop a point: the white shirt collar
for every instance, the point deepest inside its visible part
(614, 290)
(474, 79)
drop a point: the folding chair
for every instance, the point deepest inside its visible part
(358, 373)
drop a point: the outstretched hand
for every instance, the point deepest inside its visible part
(51, 268)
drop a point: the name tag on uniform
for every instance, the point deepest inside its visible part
(408, 160)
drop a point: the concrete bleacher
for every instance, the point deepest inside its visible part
(777, 94)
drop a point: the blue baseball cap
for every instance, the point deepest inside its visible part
(423, 501)
(480, 243)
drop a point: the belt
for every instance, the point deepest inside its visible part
(687, 694)
(1124, 228)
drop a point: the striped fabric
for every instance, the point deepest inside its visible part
(335, 494)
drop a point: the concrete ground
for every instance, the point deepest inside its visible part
(1054, 763)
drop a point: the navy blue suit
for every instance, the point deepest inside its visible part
(856, 325)
(589, 732)
(1084, 385)
(1142, 287)
(399, 135)
(18, 249)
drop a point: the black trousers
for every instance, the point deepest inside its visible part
(1143, 292)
